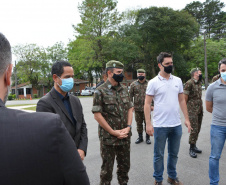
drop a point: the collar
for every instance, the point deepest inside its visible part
(109, 85)
(61, 96)
(196, 81)
(220, 82)
(162, 78)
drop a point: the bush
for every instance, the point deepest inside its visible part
(10, 97)
(35, 95)
(14, 96)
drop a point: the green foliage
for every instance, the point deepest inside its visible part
(210, 16)
(10, 97)
(35, 95)
(35, 62)
(215, 52)
(14, 96)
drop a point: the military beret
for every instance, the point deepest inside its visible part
(195, 69)
(114, 64)
(140, 71)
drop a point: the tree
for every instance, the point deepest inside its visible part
(215, 52)
(35, 62)
(99, 17)
(163, 29)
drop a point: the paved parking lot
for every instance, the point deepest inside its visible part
(190, 171)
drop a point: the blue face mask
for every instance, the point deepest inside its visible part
(67, 84)
(223, 76)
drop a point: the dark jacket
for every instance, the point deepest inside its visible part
(51, 102)
(37, 149)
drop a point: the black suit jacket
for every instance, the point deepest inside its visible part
(51, 102)
(36, 149)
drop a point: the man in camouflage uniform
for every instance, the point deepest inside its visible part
(112, 109)
(138, 91)
(193, 98)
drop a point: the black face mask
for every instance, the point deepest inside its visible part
(168, 69)
(200, 77)
(118, 78)
(140, 78)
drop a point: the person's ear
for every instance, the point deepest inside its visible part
(55, 78)
(8, 75)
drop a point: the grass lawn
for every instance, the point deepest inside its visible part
(19, 105)
(30, 108)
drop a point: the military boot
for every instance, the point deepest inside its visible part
(139, 139)
(148, 140)
(192, 151)
(197, 150)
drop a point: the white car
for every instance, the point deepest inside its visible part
(88, 91)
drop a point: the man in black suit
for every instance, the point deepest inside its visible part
(59, 101)
(36, 148)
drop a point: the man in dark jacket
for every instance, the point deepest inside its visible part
(35, 147)
(67, 106)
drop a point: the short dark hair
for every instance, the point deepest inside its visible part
(58, 67)
(163, 55)
(223, 61)
(5, 53)
(109, 69)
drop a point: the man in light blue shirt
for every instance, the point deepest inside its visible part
(216, 104)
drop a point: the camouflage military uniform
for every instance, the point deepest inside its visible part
(113, 103)
(193, 89)
(216, 77)
(138, 92)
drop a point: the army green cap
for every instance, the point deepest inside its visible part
(195, 69)
(140, 71)
(114, 64)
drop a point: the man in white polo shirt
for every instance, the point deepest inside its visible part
(167, 92)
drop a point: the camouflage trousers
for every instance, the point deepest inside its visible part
(196, 122)
(139, 117)
(108, 154)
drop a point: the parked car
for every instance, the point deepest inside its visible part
(88, 91)
(203, 87)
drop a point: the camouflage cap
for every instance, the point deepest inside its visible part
(141, 71)
(195, 69)
(114, 64)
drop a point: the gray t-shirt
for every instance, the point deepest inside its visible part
(216, 93)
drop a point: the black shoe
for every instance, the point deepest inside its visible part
(192, 153)
(139, 139)
(148, 141)
(196, 150)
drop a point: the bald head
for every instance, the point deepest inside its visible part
(5, 54)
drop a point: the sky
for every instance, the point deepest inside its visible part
(45, 22)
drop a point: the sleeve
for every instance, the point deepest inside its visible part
(187, 87)
(74, 171)
(97, 102)
(180, 86)
(131, 92)
(150, 88)
(83, 139)
(209, 94)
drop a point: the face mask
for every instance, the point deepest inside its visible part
(67, 84)
(200, 77)
(223, 76)
(140, 78)
(168, 69)
(118, 78)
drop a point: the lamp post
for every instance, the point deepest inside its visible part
(205, 61)
(15, 81)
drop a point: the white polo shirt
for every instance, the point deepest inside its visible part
(166, 104)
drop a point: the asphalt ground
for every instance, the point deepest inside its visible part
(190, 171)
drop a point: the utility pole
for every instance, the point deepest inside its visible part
(15, 81)
(205, 61)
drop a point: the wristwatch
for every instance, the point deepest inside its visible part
(129, 126)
